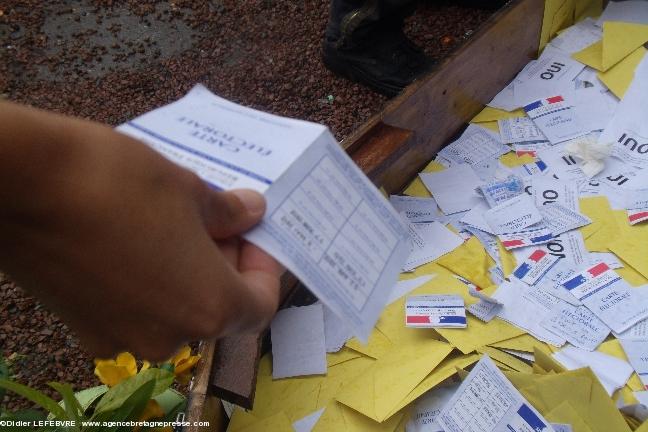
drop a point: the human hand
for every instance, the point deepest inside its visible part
(133, 252)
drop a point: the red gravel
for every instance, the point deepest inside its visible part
(110, 61)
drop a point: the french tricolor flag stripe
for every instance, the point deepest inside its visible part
(537, 255)
(418, 320)
(638, 216)
(598, 269)
(512, 243)
(555, 99)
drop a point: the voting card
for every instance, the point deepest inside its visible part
(486, 401)
(519, 129)
(430, 241)
(638, 331)
(530, 237)
(578, 325)
(556, 118)
(535, 266)
(453, 188)
(610, 259)
(513, 216)
(298, 342)
(435, 311)
(548, 190)
(637, 353)
(417, 209)
(325, 221)
(565, 167)
(475, 145)
(608, 296)
(498, 191)
(561, 219)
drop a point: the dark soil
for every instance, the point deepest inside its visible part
(112, 60)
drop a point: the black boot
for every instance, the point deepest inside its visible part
(365, 43)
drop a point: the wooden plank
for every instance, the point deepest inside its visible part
(437, 106)
(202, 406)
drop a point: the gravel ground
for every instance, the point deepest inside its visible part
(112, 60)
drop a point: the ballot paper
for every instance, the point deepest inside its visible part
(637, 353)
(453, 188)
(336, 332)
(475, 145)
(526, 308)
(561, 219)
(526, 238)
(553, 73)
(531, 169)
(475, 218)
(577, 37)
(435, 311)
(487, 402)
(608, 296)
(519, 129)
(535, 266)
(556, 118)
(564, 166)
(498, 191)
(612, 372)
(513, 216)
(548, 190)
(429, 242)
(530, 148)
(628, 130)
(578, 325)
(298, 342)
(417, 209)
(608, 258)
(428, 408)
(325, 221)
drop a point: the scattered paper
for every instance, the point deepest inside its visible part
(535, 266)
(336, 331)
(513, 215)
(499, 191)
(428, 408)
(556, 119)
(487, 402)
(417, 209)
(475, 145)
(307, 423)
(519, 129)
(431, 311)
(632, 11)
(577, 325)
(637, 352)
(561, 219)
(453, 188)
(429, 242)
(530, 237)
(298, 342)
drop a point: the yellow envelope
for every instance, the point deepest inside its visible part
(378, 390)
(620, 39)
(345, 354)
(565, 413)
(377, 345)
(592, 56)
(524, 342)
(599, 211)
(489, 114)
(278, 422)
(620, 76)
(613, 347)
(512, 160)
(558, 15)
(491, 125)
(633, 249)
(416, 187)
(507, 359)
(479, 333)
(587, 8)
(470, 261)
(339, 418)
(507, 258)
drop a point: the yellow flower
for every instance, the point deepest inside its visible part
(112, 372)
(182, 363)
(152, 410)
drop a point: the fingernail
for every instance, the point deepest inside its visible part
(253, 201)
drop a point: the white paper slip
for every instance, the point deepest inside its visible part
(535, 266)
(513, 216)
(635, 199)
(638, 331)
(483, 310)
(611, 371)
(487, 402)
(631, 11)
(417, 209)
(306, 424)
(298, 342)
(475, 218)
(578, 325)
(499, 191)
(475, 145)
(608, 258)
(547, 190)
(453, 188)
(519, 129)
(637, 353)
(530, 357)
(642, 397)
(628, 130)
(429, 311)
(608, 296)
(577, 37)
(562, 427)
(563, 166)
(325, 221)
(527, 307)
(336, 331)
(505, 99)
(556, 119)
(530, 148)
(526, 238)
(404, 287)
(560, 219)
(427, 409)
(429, 242)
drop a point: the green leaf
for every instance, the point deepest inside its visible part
(131, 408)
(169, 400)
(70, 403)
(88, 396)
(116, 396)
(37, 397)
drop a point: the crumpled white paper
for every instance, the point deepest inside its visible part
(591, 152)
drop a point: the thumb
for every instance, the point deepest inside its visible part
(231, 213)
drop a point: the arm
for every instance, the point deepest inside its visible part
(132, 251)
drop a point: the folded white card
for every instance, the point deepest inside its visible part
(453, 188)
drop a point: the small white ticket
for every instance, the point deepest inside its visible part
(487, 402)
(556, 119)
(475, 145)
(535, 266)
(637, 352)
(547, 190)
(430, 241)
(608, 296)
(499, 191)
(513, 216)
(428, 311)
(560, 219)
(325, 221)
(578, 325)
(417, 209)
(519, 129)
